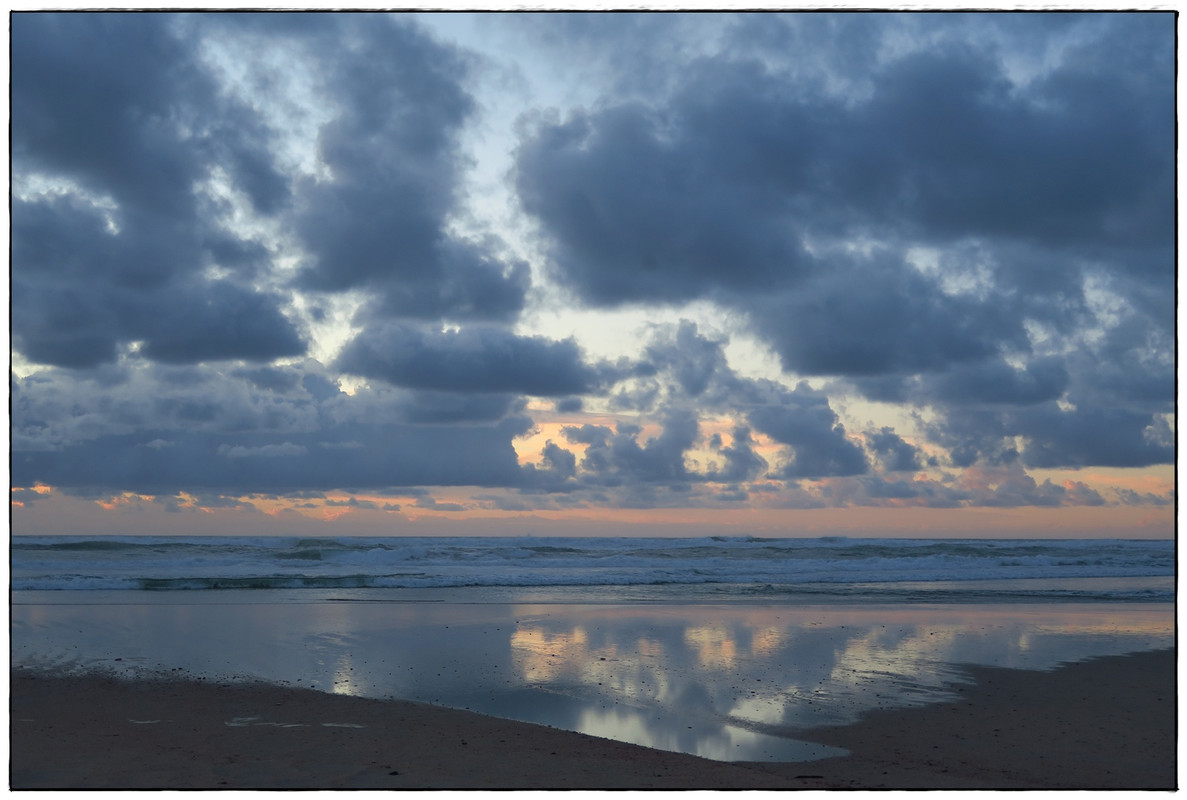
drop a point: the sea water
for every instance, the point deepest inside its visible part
(721, 647)
(579, 568)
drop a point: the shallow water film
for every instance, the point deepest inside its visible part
(728, 682)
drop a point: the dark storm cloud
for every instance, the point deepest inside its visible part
(876, 316)
(166, 429)
(1055, 436)
(380, 222)
(95, 97)
(715, 186)
(1102, 405)
(630, 216)
(394, 455)
(692, 366)
(825, 49)
(948, 224)
(473, 359)
(895, 454)
(680, 365)
(569, 405)
(990, 487)
(119, 120)
(597, 435)
(559, 461)
(693, 358)
(970, 216)
(556, 472)
(276, 379)
(1077, 159)
(55, 408)
(1132, 364)
(1088, 437)
(80, 291)
(431, 407)
(993, 383)
(382, 403)
(617, 457)
(741, 462)
(218, 320)
(118, 106)
(818, 441)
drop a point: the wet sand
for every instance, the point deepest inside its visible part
(1105, 723)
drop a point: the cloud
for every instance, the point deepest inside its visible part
(957, 222)
(562, 463)
(997, 383)
(282, 450)
(113, 242)
(1084, 437)
(275, 379)
(381, 221)
(226, 322)
(382, 403)
(896, 454)
(876, 315)
(819, 444)
(132, 234)
(944, 148)
(616, 457)
(692, 357)
(742, 463)
(473, 359)
(397, 455)
(431, 503)
(353, 503)
(1009, 487)
(198, 428)
(286, 254)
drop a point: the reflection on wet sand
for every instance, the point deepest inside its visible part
(727, 682)
(755, 671)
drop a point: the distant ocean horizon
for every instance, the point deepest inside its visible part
(608, 569)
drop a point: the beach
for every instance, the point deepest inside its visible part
(1103, 723)
(728, 682)
(590, 663)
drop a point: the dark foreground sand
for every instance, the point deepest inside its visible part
(1108, 723)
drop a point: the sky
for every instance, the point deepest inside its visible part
(581, 274)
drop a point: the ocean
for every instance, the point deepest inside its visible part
(722, 647)
(607, 569)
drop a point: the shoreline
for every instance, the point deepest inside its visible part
(1103, 723)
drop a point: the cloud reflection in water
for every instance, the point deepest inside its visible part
(727, 682)
(752, 671)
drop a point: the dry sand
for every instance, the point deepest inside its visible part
(1108, 723)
